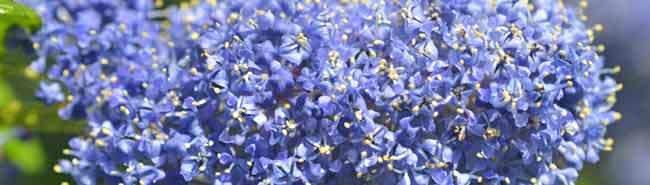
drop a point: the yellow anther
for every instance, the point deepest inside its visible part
(57, 168)
(302, 39)
(506, 96)
(194, 71)
(586, 111)
(103, 61)
(441, 164)
(66, 151)
(377, 42)
(416, 109)
(347, 124)
(358, 114)
(125, 110)
(392, 74)
(159, 3)
(616, 69)
(247, 76)
(291, 124)
(194, 36)
(422, 35)
(199, 103)
(617, 116)
(569, 83)
(367, 141)
(372, 53)
(333, 55)
(598, 27)
(237, 115)
(605, 122)
(187, 145)
(325, 150)
(608, 144)
(388, 158)
(252, 22)
(492, 132)
(533, 180)
(584, 4)
(563, 113)
(106, 131)
(480, 155)
(232, 18)
(100, 142)
(30, 73)
(455, 173)
(600, 48)
(460, 130)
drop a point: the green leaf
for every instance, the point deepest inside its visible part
(27, 155)
(14, 14)
(6, 93)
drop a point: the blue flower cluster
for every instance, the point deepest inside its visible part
(326, 91)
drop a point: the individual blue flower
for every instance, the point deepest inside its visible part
(50, 93)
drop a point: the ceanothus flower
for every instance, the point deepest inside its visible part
(327, 92)
(50, 93)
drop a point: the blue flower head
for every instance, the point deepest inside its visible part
(448, 92)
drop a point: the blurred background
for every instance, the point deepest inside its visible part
(627, 38)
(32, 136)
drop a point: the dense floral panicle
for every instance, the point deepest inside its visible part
(327, 92)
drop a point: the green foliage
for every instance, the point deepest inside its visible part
(13, 14)
(6, 94)
(18, 107)
(27, 155)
